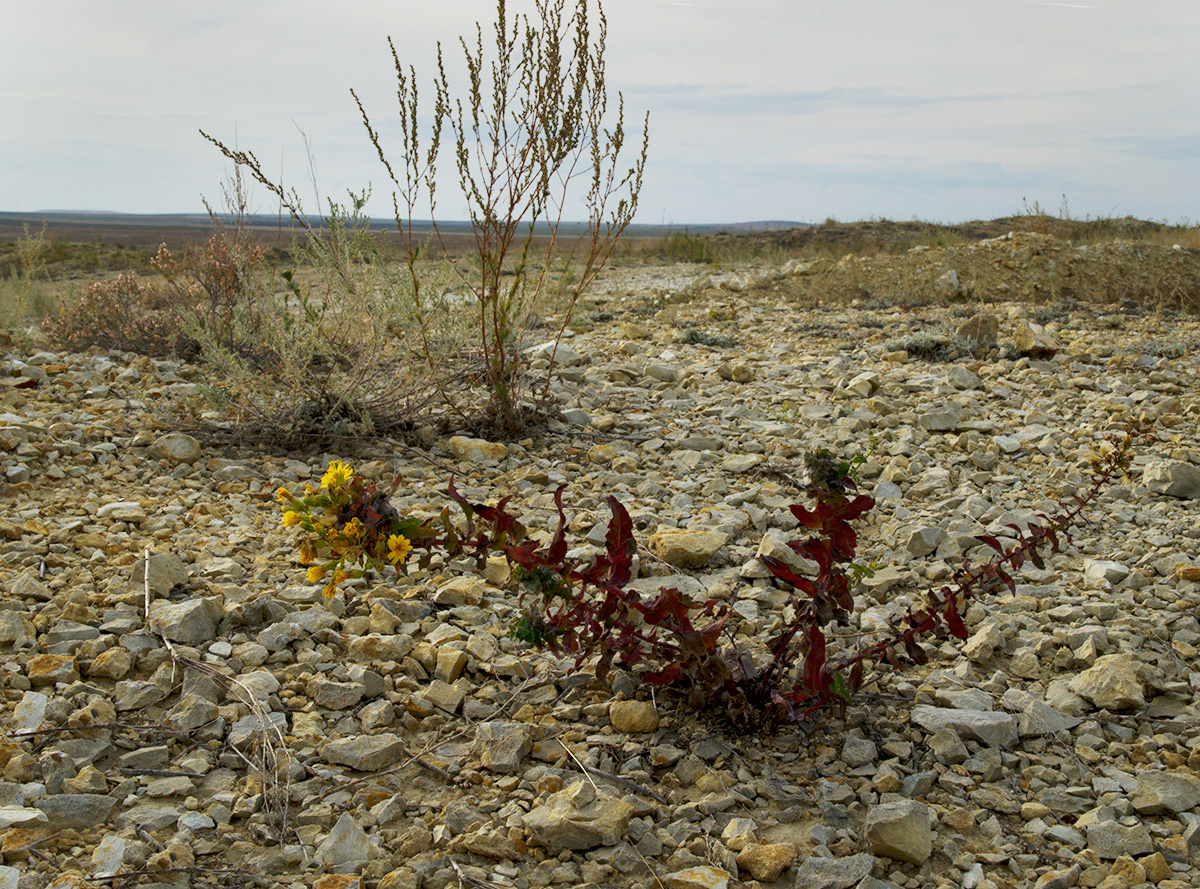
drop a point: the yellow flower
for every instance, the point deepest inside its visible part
(283, 495)
(336, 475)
(353, 530)
(339, 576)
(307, 553)
(329, 591)
(315, 573)
(398, 549)
(291, 518)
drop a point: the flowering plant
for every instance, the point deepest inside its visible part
(347, 527)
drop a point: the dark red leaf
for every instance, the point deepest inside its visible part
(916, 652)
(805, 517)
(954, 620)
(814, 661)
(558, 545)
(990, 541)
(1008, 581)
(620, 543)
(784, 573)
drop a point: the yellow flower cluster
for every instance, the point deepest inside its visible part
(329, 541)
(337, 475)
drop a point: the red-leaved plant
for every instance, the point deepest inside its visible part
(677, 644)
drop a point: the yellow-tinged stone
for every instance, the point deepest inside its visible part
(111, 664)
(684, 548)
(634, 717)
(1187, 571)
(766, 861)
(338, 881)
(1128, 869)
(44, 669)
(1155, 867)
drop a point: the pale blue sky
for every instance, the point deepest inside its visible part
(759, 110)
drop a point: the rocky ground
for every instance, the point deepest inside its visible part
(246, 732)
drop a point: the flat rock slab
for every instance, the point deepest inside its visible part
(989, 727)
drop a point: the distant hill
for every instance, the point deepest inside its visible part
(136, 228)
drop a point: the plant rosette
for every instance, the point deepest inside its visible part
(347, 527)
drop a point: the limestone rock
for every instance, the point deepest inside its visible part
(502, 745)
(702, 876)
(192, 622)
(1111, 683)
(900, 830)
(578, 818)
(1111, 839)
(1174, 478)
(633, 717)
(1159, 792)
(365, 753)
(981, 330)
(766, 861)
(477, 450)
(834, 873)
(346, 849)
(1033, 341)
(988, 727)
(686, 549)
(167, 571)
(176, 447)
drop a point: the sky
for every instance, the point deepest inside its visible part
(802, 111)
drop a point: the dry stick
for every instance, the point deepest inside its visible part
(470, 880)
(190, 869)
(588, 771)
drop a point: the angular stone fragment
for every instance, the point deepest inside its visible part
(1173, 478)
(346, 849)
(192, 622)
(1111, 683)
(1111, 839)
(167, 571)
(702, 876)
(365, 753)
(834, 873)
(989, 727)
(17, 630)
(1160, 792)
(766, 861)
(122, 511)
(380, 648)
(176, 447)
(47, 669)
(686, 549)
(502, 745)
(942, 419)
(900, 830)
(477, 450)
(1033, 340)
(1103, 573)
(464, 590)
(76, 811)
(114, 663)
(578, 817)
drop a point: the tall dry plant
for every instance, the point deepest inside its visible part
(534, 123)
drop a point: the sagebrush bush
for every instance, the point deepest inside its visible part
(124, 314)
